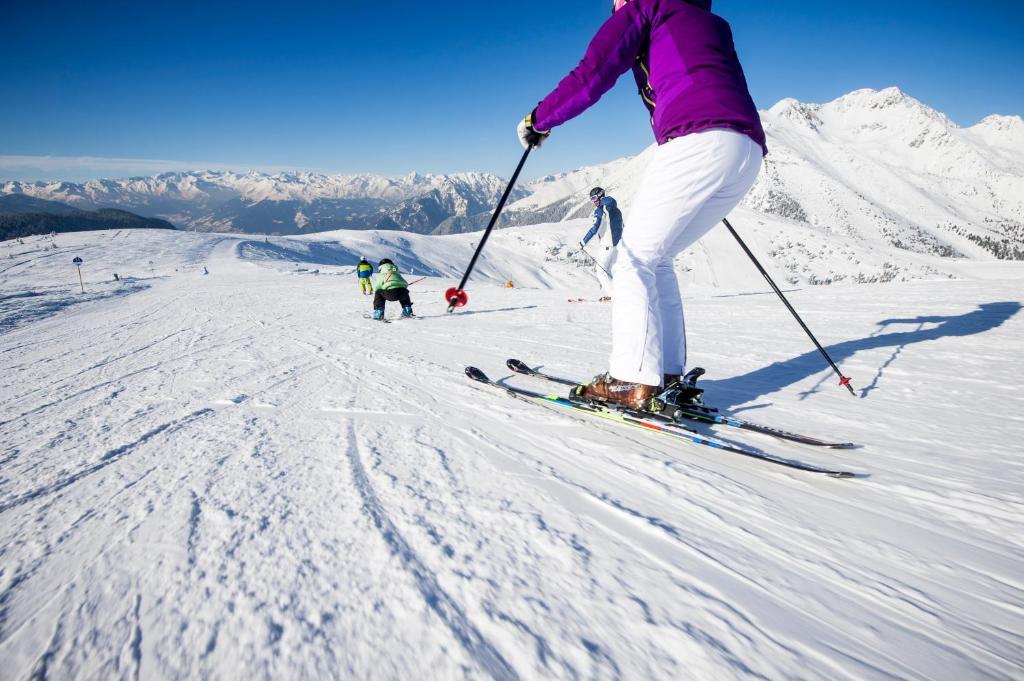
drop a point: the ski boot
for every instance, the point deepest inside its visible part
(679, 395)
(407, 311)
(605, 390)
(378, 315)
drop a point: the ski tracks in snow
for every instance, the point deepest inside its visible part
(236, 474)
(479, 649)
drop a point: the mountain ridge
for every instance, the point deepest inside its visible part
(282, 203)
(875, 166)
(22, 216)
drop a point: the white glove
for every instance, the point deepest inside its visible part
(528, 135)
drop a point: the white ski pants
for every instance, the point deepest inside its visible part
(692, 183)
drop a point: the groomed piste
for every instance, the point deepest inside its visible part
(237, 475)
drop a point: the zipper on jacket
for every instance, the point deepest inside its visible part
(646, 91)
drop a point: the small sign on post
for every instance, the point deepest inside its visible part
(78, 263)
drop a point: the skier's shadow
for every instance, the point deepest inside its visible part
(729, 393)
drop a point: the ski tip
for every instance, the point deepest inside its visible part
(518, 366)
(843, 475)
(477, 375)
(844, 445)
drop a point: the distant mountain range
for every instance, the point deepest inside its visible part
(877, 166)
(22, 215)
(286, 203)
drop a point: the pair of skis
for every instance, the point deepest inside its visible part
(388, 321)
(663, 425)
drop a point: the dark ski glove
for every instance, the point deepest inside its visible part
(530, 136)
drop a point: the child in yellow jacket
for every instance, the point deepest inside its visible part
(364, 270)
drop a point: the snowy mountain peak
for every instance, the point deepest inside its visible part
(868, 98)
(877, 99)
(804, 115)
(1000, 123)
(891, 101)
(1004, 135)
(866, 113)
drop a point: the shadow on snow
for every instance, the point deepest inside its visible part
(731, 392)
(23, 308)
(334, 254)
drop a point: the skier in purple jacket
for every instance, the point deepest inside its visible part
(710, 148)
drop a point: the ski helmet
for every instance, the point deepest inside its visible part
(596, 194)
(385, 261)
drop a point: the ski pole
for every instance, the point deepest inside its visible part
(843, 380)
(456, 296)
(596, 262)
(417, 281)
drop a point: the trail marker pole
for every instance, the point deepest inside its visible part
(78, 263)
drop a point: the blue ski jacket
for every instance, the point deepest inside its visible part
(614, 220)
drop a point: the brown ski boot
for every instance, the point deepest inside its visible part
(610, 390)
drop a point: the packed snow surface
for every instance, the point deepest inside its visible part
(236, 475)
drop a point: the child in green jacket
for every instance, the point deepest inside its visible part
(390, 285)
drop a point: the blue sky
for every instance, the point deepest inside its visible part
(391, 87)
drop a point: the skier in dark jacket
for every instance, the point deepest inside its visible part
(390, 285)
(608, 235)
(710, 144)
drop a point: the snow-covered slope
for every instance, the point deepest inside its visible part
(236, 475)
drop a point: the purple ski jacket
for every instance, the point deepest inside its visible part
(685, 65)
